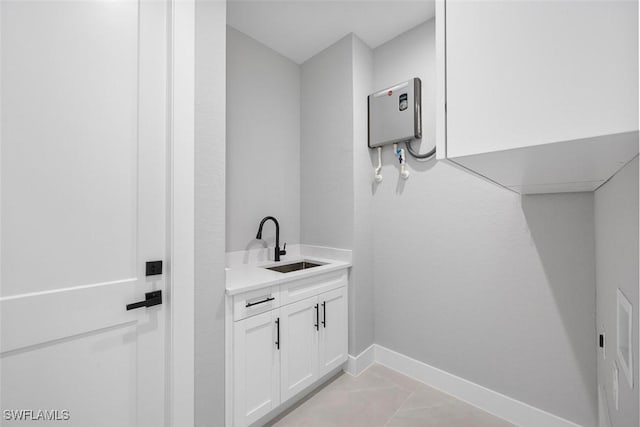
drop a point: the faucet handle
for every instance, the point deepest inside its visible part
(283, 251)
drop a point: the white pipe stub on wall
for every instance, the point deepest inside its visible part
(404, 173)
(377, 176)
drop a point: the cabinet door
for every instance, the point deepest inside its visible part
(523, 73)
(333, 329)
(299, 346)
(256, 367)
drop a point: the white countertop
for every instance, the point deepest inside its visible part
(248, 277)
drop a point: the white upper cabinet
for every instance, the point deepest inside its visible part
(542, 96)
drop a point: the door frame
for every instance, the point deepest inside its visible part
(180, 396)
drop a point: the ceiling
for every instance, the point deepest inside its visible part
(300, 29)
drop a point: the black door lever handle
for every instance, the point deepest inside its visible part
(151, 299)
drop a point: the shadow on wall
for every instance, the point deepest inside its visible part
(253, 244)
(562, 229)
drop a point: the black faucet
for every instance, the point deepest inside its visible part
(277, 251)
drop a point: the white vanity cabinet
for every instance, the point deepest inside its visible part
(333, 331)
(539, 96)
(299, 351)
(256, 368)
(285, 338)
(314, 340)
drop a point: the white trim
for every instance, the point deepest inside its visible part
(67, 289)
(502, 406)
(604, 419)
(337, 254)
(627, 365)
(182, 205)
(294, 250)
(258, 255)
(358, 364)
(228, 361)
(441, 80)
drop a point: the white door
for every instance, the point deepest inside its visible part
(299, 331)
(256, 367)
(333, 329)
(83, 207)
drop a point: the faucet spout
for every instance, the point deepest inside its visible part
(277, 251)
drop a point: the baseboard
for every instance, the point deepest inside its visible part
(357, 364)
(502, 406)
(286, 407)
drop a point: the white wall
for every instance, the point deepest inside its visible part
(326, 150)
(210, 45)
(472, 279)
(616, 225)
(263, 143)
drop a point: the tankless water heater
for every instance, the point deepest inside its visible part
(394, 114)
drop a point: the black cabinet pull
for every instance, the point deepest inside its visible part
(151, 299)
(278, 333)
(324, 314)
(317, 325)
(251, 304)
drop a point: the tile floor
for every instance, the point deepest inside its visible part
(382, 397)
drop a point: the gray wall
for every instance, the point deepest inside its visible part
(616, 222)
(307, 181)
(477, 281)
(361, 285)
(463, 275)
(210, 45)
(335, 164)
(326, 150)
(263, 142)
